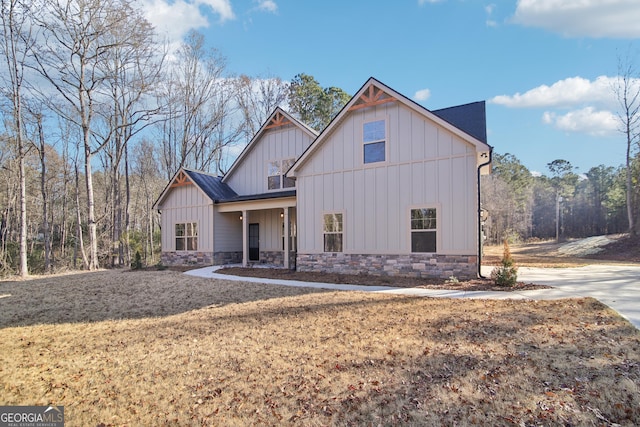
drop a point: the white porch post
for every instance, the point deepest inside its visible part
(287, 232)
(245, 238)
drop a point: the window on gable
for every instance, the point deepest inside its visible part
(423, 230)
(275, 174)
(187, 236)
(332, 228)
(374, 135)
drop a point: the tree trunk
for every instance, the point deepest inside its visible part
(79, 244)
(632, 229)
(24, 269)
(43, 192)
(91, 216)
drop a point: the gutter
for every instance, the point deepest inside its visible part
(480, 276)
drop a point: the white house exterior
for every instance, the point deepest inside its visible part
(388, 187)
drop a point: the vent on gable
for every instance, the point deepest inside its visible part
(278, 120)
(181, 179)
(370, 97)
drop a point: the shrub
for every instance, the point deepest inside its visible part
(507, 273)
(137, 261)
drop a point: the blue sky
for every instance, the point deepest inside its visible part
(545, 67)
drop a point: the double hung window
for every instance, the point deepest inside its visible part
(332, 232)
(423, 230)
(187, 236)
(374, 141)
(275, 174)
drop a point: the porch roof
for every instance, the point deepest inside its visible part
(262, 196)
(272, 200)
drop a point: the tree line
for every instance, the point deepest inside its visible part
(99, 113)
(557, 205)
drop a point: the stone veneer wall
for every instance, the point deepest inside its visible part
(200, 258)
(414, 265)
(276, 258)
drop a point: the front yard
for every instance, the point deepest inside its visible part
(159, 348)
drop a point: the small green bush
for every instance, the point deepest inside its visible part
(506, 274)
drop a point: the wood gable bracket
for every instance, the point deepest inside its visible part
(371, 97)
(278, 120)
(181, 180)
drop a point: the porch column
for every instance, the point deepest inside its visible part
(245, 238)
(287, 232)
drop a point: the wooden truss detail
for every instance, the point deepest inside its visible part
(371, 97)
(278, 120)
(181, 180)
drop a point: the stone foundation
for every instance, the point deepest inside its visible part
(275, 258)
(461, 267)
(200, 258)
(181, 258)
(223, 258)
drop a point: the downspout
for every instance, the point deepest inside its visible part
(479, 218)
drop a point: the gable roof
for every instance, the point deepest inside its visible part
(211, 185)
(373, 93)
(277, 119)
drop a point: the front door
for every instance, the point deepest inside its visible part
(254, 242)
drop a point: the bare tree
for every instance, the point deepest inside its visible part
(135, 66)
(257, 98)
(17, 41)
(200, 104)
(77, 37)
(627, 91)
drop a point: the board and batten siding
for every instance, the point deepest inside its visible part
(426, 166)
(187, 204)
(227, 232)
(286, 142)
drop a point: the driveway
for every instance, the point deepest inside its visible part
(614, 285)
(617, 286)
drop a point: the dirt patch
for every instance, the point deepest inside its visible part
(163, 348)
(372, 280)
(617, 249)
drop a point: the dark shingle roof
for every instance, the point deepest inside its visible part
(263, 196)
(211, 185)
(470, 118)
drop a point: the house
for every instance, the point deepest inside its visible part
(388, 187)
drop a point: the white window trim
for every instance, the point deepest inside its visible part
(438, 208)
(281, 174)
(197, 223)
(385, 118)
(322, 232)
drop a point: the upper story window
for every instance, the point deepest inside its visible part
(187, 236)
(374, 141)
(275, 174)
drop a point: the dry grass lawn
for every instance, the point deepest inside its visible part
(162, 348)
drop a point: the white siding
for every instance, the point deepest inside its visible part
(228, 232)
(187, 204)
(287, 142)
(426, 166)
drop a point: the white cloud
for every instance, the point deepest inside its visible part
(582, 18)
(563, 93)
(586, 120)
(422, 95)
(267, 6)
(220, 7)
(174, 19)
(422, 2)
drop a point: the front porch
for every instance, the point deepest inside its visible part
(268, 227)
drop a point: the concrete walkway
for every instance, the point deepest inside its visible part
(614, 285)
